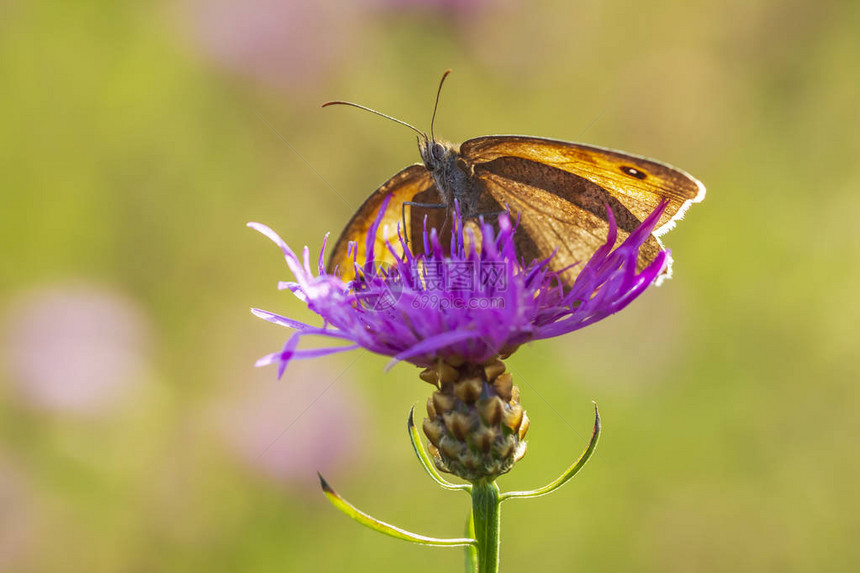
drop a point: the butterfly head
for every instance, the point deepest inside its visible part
(433, 153)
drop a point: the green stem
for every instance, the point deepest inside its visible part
(486, 517)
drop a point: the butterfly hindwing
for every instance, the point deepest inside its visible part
(411, 184)
(551, 225)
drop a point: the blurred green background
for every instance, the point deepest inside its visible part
(138, 139)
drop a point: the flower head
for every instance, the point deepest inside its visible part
(471, 302)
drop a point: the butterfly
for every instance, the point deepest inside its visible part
(558, 190)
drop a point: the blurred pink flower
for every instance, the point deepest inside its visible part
(291, 428)
(452, 6)
(74, 349)
(17, 518)
(287, 43)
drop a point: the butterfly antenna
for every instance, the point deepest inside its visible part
(394, 119)
(436, 105)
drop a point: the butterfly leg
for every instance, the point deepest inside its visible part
(414, 204)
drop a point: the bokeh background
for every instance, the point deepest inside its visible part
(138, 139)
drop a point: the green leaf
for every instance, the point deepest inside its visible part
(386, 528)
(424, 457)
(569, 473)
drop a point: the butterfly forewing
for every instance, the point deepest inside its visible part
(636, 183)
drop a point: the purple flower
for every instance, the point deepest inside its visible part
(472, 302)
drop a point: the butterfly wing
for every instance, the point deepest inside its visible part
(413, 184)
(561, 191)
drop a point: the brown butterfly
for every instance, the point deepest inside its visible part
(559, 190)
